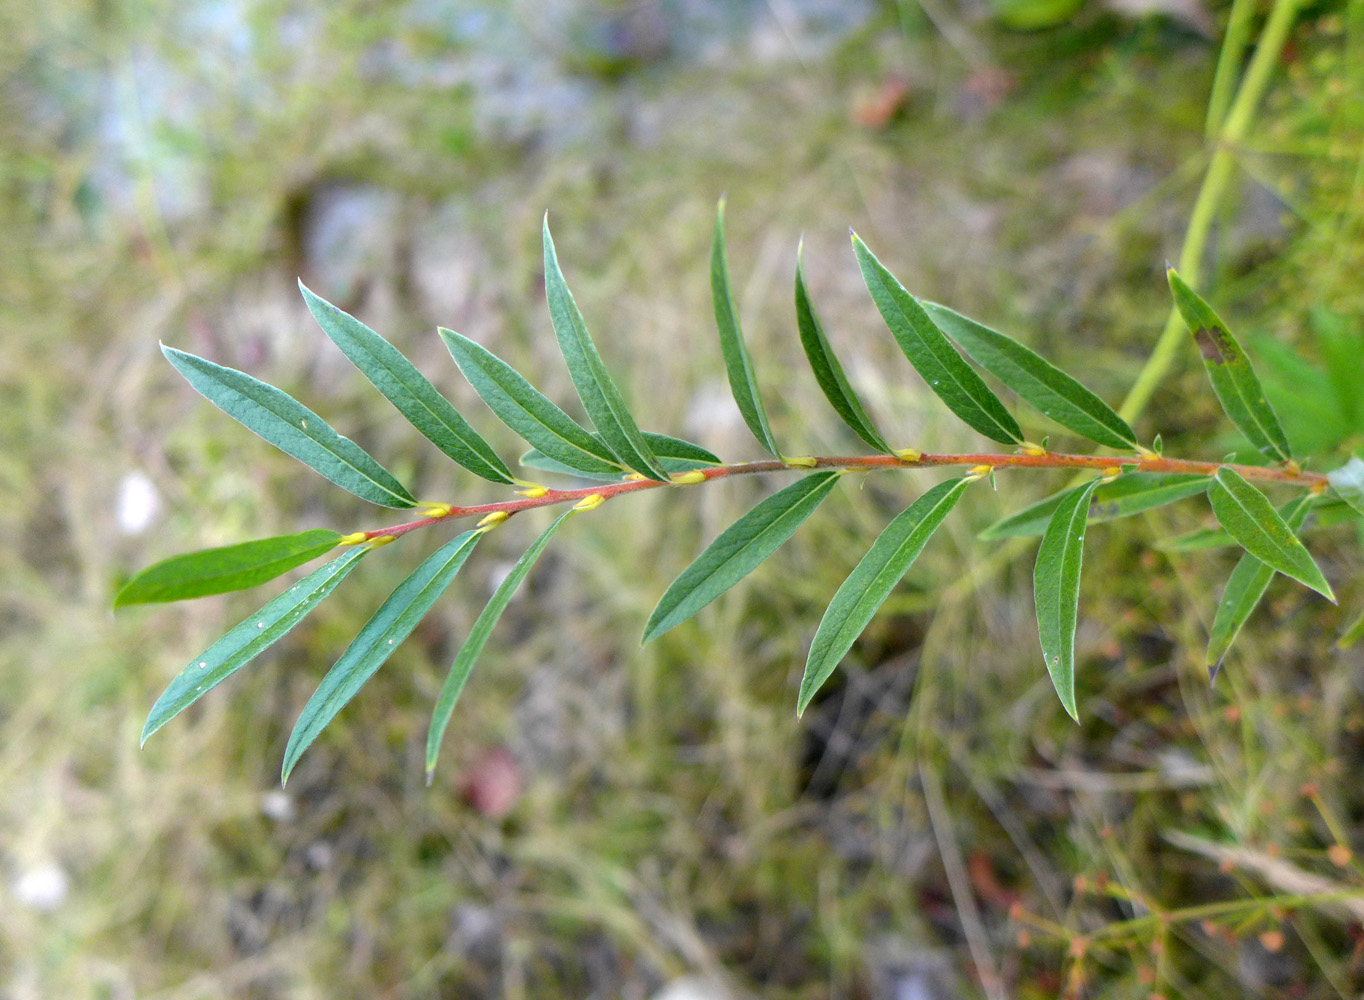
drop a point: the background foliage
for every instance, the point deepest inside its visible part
(171, 169)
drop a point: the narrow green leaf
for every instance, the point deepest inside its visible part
(1200, 539)
(742, 382)
(221, 570)
(1246, 585)
(407, 389)
(871, 582)
(1229, 370)
(1042, 384)
(376, 642)
(248, 640)
(292, 428)
(1347, 482)
(477, 639)
(1249, 518)
(1129, 494)
(601, 399)
(828, 371)
(933, 356)
(1056, 590)
(525, 410)
(1352, 634)
(738, 550)
(673, 454)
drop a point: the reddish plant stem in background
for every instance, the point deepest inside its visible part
(868, 463)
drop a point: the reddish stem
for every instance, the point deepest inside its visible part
(1046, 460)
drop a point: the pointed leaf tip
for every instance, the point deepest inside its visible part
(1056, 590)
(1256, 526)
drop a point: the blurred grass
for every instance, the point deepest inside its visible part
(675, 817)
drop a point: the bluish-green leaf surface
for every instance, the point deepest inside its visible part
(738, 550)
(1129, 494)
(225, 569)
(1230, 372)
(292, 428)
(1056, 590)
(828, 371)
(478, 637)
(738, 366)
(1245, 587)
(523, 408)
(1037, 380)
(601, 399)
(249, 639)
(407, 389)
(932, 354)
(1252, 521)
(377, 641)
(673, 454)
(872, 580)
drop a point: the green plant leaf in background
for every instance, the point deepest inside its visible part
(377, 641)
(743, 383)
(1056, 589)
(1042, 384)
(407, 389)
(1352, 634)
(1229, 370)
(1129, 494)
(872, 580)
(600, 397)
(932, 354)
(292, 428)
(249, 639)
(1252, 521)
(828, 371)
(1347, 482)
(738, 550)
(478, 638)
(673, 454)
(523, 408)
(225, 569)
(1246, 585)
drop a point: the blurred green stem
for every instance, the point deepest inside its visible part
(1232, 131)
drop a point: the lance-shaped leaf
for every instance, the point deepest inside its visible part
(1042, 384)
(601, 399)
(1252, 521)
(376, 642)
(1129, 494)
(872, 580)
(932, 354)
(1056, 590)
(292, 428)
(739, 550)
(407, 389)
(1229, 370)
(673, 454)
(1347, 482)
(477, 639)
(1216, 538)
(742, 382)
(527, 411)
(1246, 585)
(221, 570)
(828, 371)
(248, 640)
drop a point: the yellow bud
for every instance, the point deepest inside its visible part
(801, 462)
(354, 539)
(690, 478)
(533, 492)
(380, 540)
(590, 503)
(435, 510)
(979, 471)
(1028, 448)
(909, 454)
(1111, 473)
(634, 477)
(493, 519)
